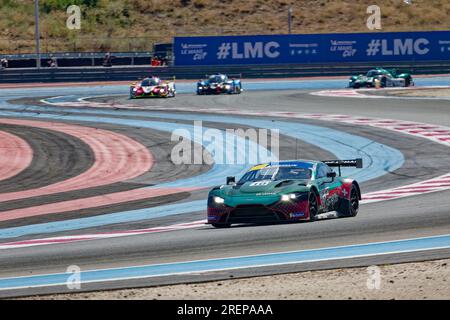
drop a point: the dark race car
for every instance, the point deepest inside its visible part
(219, 83)
(386, 78)
(285, 191)
(152, 87)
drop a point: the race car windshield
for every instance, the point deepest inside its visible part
(277, 173)
(149, 82)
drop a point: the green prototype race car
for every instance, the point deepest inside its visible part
(386, 78)
(285, 191)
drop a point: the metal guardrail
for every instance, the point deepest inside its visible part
(131, 73)
(74, 55)
(94, 58)
(79, 62)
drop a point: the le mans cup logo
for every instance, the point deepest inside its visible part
(345, 48)
(196, 51)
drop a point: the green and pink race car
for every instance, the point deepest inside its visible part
(285, 191)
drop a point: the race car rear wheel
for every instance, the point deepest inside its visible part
(221, 225)
(313, 206)
(408, 81)
(350, 207)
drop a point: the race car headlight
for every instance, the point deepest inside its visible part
(288, 197)
(218, 200)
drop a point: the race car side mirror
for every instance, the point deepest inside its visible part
(231, 180)
(331, 175)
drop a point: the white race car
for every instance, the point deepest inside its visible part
(152, 87)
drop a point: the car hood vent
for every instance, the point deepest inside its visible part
(284, 183)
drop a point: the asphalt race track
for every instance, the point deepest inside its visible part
(90, 183)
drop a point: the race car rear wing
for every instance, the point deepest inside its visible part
(166, 78)
(235, 75)
(229, 75)
(357, 163)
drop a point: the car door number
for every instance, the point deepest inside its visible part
(260, 183)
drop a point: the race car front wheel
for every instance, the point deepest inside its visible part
(350, 207)
(313, 206)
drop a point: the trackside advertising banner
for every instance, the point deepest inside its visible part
(320, 48)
